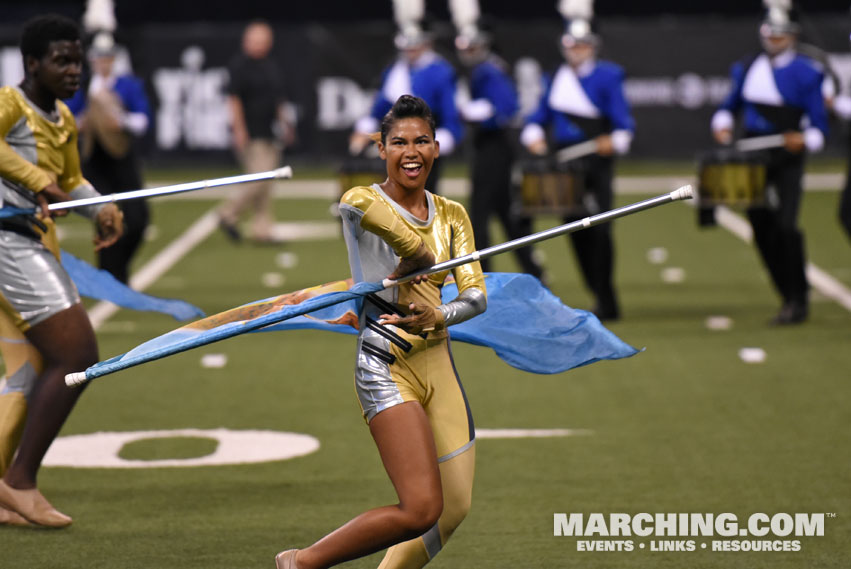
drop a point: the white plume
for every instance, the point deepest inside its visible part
(465, 14)
(581, 9)
(782, 4)
(99, 16)
(408, 12)
(103, 42)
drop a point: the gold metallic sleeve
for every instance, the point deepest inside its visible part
(72, 175)
(379, 218)
(469, 275)
(12, 166)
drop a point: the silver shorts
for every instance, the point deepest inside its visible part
(33, 284)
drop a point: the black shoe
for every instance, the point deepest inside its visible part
(606, 307)
(791, 313)
(230, 230)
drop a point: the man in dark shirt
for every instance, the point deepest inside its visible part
(256, 100)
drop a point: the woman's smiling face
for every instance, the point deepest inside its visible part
(409, 150)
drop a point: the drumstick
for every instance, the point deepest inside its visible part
(577, 151)
(760, 142)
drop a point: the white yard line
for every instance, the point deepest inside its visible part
(307, 230)
(829, 286)
(160, 264)
(819, 279)
(529, 433)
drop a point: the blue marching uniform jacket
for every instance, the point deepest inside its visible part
(774, 97)
(128, 88)
(491, 82)
(595, 93)
(432, 79)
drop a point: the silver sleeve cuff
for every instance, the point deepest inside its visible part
(469, 303)
(83, 192)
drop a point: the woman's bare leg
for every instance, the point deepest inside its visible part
(456, 475)
(405, 442)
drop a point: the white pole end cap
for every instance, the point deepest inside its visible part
(683, 193)
(75, 379)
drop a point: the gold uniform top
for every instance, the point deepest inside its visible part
(378, 231)
(37, 149)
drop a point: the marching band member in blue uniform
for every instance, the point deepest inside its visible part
(842, 108)
(780, 91)
(845, 195)
(839, 103)
(492, 106)
(418, 71)
(585, 101)
(113, 114)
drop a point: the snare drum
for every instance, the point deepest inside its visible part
(361, 172)
(730, 177)
(551, 189)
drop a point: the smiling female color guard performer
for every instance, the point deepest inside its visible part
(405, 378)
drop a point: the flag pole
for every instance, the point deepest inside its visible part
(682, 193)
(284, 172)
(361, 289)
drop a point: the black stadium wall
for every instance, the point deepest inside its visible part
(677, 73)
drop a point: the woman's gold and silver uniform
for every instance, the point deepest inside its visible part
(395, 367)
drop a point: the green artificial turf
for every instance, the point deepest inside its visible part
(684, 426)
(168, 448)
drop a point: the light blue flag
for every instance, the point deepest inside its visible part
(525, 324)
(531, 329)
(100, 284)
(240, 320)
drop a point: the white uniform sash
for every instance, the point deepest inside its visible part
(568, 96)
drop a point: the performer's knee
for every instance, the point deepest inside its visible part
(457, 480)
(22, 360)
(454, 512)
(23, 364)
(787, 225)
(13, 416)
(418, 517)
